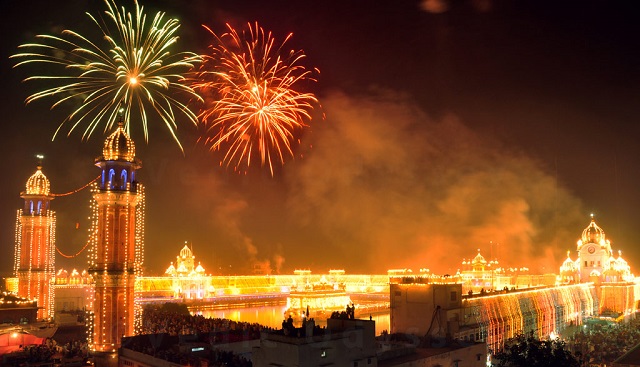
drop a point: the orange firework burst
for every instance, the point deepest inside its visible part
(256, 109)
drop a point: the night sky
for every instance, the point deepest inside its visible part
(449, 125)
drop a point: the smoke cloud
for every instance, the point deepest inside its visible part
(384, 186)
(389, 187)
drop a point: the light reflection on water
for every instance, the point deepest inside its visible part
(272, 316)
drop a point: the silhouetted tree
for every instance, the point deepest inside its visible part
(528, 351)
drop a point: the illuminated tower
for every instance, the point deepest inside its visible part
(35, 245)
(117, 243)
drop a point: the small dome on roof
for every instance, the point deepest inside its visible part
(38, 184)
(171, 270)
(620, 260)
(568, 266)
(199, 269)
(119, 146)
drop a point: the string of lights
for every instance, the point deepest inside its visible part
(74, 255)
(77, 190)
(504, 316)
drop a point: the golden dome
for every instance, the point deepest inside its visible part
(593, 234)
(38, 184)
(479, 259)
(186, 253)
(119, 146)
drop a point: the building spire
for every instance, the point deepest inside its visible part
(40, 157)
(120, 115)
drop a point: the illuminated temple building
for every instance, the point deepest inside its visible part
(188, 280)
(185, 280)
(596, 284)
(595, 262)
(34, 263)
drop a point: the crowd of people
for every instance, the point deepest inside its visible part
(49, 351)
(157, 320)
(603, 344)
(181, 324)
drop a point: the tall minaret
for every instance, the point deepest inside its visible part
(116, 254)
(35, 244)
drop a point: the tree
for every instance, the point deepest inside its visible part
(528, 351)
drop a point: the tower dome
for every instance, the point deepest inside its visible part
(38, 184)
(186, 253)
(593, 234)
(119, 146)
(479, 259)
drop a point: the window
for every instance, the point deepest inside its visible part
(398, 293)
(323, 354)
(586, 264)
(123, 179)
(111, 174)
(454, 296)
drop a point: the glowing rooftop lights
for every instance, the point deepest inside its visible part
(118, 146)
(38, 184)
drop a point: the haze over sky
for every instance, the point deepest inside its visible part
(448, 125)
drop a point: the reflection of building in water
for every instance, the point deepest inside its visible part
(321, 298)
(188, 280)
(595, 284)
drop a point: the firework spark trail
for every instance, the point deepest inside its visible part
(256, 109)
(133, 69)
